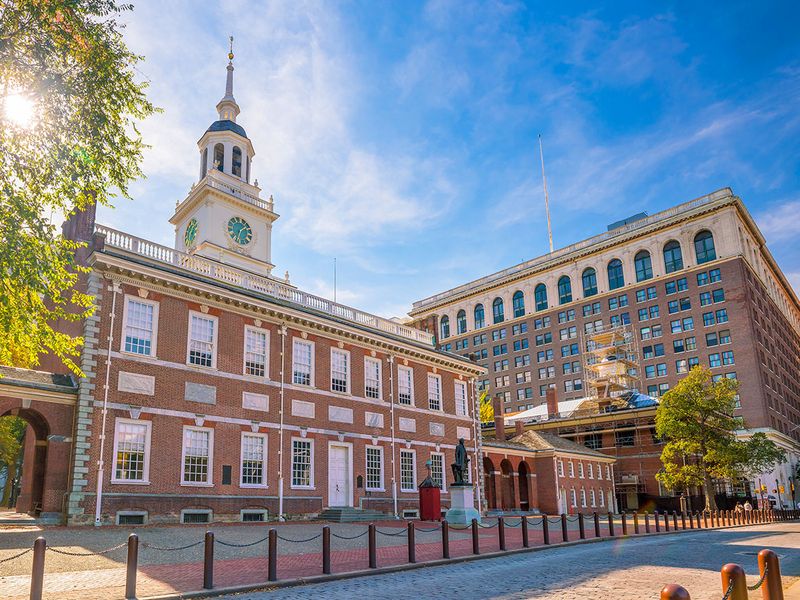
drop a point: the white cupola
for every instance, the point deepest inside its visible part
(223, 217)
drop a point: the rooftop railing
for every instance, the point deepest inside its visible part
(541, 260)
(252, 282)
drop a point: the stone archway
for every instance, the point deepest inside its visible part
(524, 501)
(34, 462)
(488, 483)
(507, 485)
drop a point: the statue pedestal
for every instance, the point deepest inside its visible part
(462, 505)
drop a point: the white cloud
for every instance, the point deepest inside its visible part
(781, 222)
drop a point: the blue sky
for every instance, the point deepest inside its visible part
(400, 137)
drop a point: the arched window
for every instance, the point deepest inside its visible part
(564, 290)
(673, 259)
(589, 278)
(236, 169)
(518, 301)
(644, 266)
(219, 156)
(616, 279)
(497, 310)
(479, 320)
(540, 296)
(461, 321)
(704, 247)
(445, 327)
(204, 163)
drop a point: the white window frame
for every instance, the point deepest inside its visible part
(581, 472)
(259, 330)
(599, 472)
(210, 480)
(214, 338)
(571, 469)
(438, 378)
(410, 372)
(312, 348)
(413, 453)
(573, 498)
(310, 486)
(560, 468)
(583, 498)
(593, 498)
(348, 373)
(375, 362)
(590, 466)
(367, 486)
(462, 405)
(154, 333)
(608, 472)
(146, 466)
(602, 498)
(444, 471)
(262, 436)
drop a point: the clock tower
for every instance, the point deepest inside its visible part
(224, 218)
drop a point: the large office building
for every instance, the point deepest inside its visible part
(215, 390)
(692, 285)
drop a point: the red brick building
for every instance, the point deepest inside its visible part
(217, 391)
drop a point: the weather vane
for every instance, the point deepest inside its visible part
(230, 54)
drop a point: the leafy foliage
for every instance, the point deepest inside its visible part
(68, 60)
(486, 408)
(12, 430)
(696, 418)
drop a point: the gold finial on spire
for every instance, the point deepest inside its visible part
(230, 54)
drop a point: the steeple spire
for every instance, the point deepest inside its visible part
(227, 107)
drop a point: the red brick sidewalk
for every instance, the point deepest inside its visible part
(160, 579)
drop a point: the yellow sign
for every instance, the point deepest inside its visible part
(781, 489)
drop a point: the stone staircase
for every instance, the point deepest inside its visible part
(352, 515)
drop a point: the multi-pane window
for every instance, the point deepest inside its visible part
(445, 326)
(519, 328)
(704, 247)
(302, 457)
(254, 451)
(572, 497)
(540, 297)
(590, 468)
(542, 323)
(583, 497)
(715, 275)
(374, 468)
(727, 357)
(140, 322)
(602, 498)
(589, 278)
(564, 290)
(202, 340)
(461, 398)
(372, 378)
(593, 497)
(722, 315)
(560, 468)
(408, 471)
(340, 370)
(714, 360)
(302, 362)
(571, 466)
(518, 304)
(461, 321)
(643, 265)
(520, 344)
(673, 259)
(497, 311)
(434, 392)
(479, 316)
(580, 470)
(616, 279)
(522, 361)
(544, 355)
(197, 455)
(255, 352)
(499, 334)
(437, 469)
(131, 450)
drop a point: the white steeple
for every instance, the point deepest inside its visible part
(227, 108)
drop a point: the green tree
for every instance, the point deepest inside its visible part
(69, 104)
(696, 420)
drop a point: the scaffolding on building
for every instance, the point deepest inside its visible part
(610, 361)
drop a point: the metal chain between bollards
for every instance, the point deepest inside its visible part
(355, 537)
(232, 545)
(98, 553)
(418, 530)
(395, 534)
(482, 526)
(760, 581)
(175, 549)
(311, 539)
(729, 591)
(10, 558)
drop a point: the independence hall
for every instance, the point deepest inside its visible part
(612, 322)
(217, 391)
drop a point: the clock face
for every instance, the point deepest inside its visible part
(191, 232)
(240, 231)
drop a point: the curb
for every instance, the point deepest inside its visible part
(287, 583)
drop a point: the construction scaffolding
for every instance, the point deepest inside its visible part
(610, 361)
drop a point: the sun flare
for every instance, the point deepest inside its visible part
(19, 109)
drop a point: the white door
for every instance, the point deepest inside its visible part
(338, 476)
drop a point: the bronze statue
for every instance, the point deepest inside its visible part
(461, 466)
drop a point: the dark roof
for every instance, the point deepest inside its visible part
(544, 440)
(638, 400)
(227, 125)
(37, 379)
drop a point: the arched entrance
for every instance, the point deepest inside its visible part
(25, 490)
(524, 502)
(507, 485)
(488, 483)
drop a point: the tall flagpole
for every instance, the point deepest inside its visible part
(546, 199)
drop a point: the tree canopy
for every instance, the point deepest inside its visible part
(68, 138)
(486, 408)
(696, 419)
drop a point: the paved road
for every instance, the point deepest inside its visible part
(633, 569)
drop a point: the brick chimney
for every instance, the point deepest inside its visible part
(499, 420)
(552, 402)
(520, 427)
